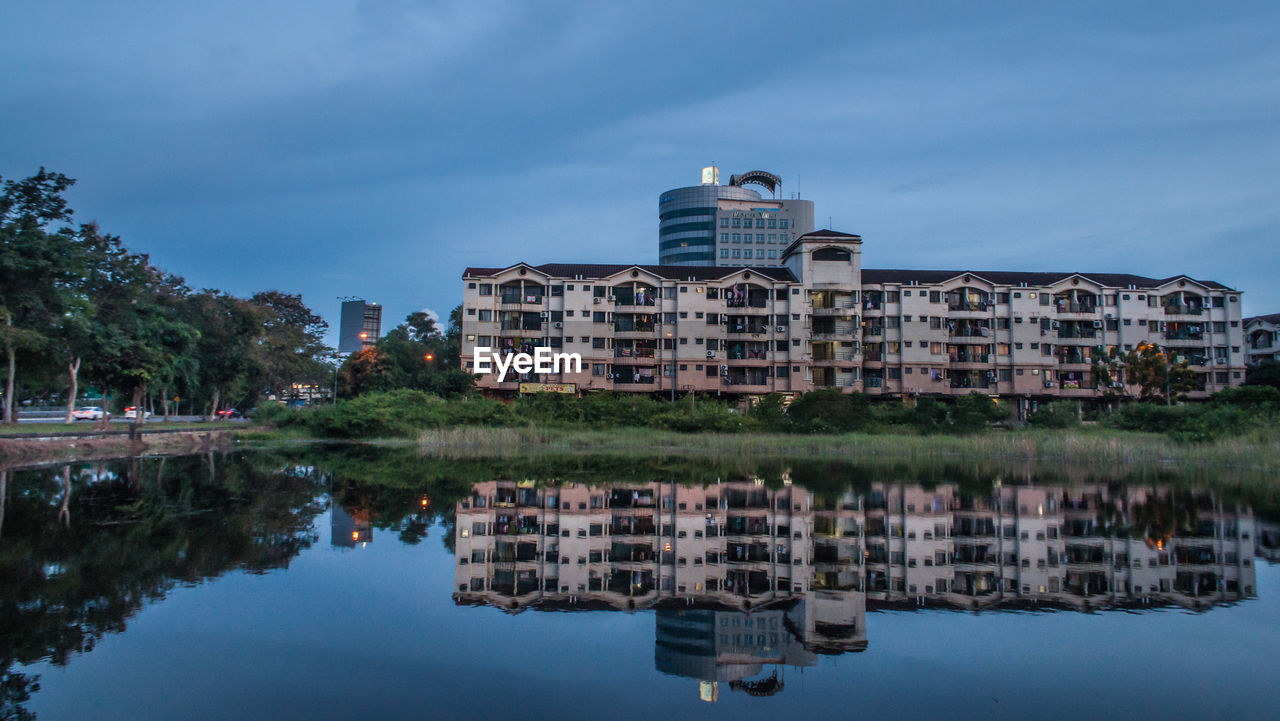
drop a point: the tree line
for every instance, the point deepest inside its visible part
(77, 306)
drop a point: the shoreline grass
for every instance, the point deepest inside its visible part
(1121, 449)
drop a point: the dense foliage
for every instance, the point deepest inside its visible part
(405, 413)
(76, 304)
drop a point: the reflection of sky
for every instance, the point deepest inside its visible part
(373, 633)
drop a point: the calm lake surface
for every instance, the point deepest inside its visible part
(374, 583)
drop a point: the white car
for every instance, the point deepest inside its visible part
(87, 413)
(132, 412)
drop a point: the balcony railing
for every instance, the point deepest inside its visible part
(1180, 309)
(1067, 331)
(1075, 306)
(969, 305)
(969, 331)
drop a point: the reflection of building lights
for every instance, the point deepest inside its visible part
(668, 547)
(355, 535)
(425, 501)
(363, 336)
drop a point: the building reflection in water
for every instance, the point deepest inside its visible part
(345, 530)
(746, 580)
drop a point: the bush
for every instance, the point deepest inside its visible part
(975, 412)
(401, 413)
(831, 410)
(277, 415)
(1258, 399)
(1059, 414)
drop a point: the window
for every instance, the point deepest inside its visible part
(597, 369)
(486, 289)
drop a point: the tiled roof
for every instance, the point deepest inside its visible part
(668, 272)
(1269, 318)
(872, 276)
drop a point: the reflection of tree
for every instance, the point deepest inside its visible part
(76, 566)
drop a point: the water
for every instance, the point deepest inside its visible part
(318, 584)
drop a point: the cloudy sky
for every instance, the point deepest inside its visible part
(378, 147)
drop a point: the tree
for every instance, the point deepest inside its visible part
(291, 348)
(229, 333)
(366, 370)
(140, 335)
(1266, 373)
(34, 267)
(1147, 369)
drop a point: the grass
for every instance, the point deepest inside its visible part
(1093, 447)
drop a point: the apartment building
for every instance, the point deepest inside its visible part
(823, 321)
(1262, 338)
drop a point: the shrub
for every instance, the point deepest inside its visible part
(975, 411)
(831, 410)
(1059, 414)
(400, 413)
(1259, 399)
(277, 415)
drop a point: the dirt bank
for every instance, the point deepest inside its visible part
(17, 452)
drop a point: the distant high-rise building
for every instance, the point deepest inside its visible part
(729, 225)
(360, 326)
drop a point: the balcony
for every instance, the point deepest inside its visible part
(751, 298)
(1075, 358)
(1065, 305)
(1184, 331)
(967, 357)
(1179, 309)
(1073, 331)
(634, 296)
(968, 330)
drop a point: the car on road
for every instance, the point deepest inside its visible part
(229, 413)
(132, 413)
(87, 413)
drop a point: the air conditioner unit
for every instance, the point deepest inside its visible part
(711, 354)
(608, 376)
(613, 299)
(781, 329)
(545, 314)
(559, 325)
(1097, 324)
(724, 369)
(1053, 324)
(724, 321)
(1048, 384)
(596, 301)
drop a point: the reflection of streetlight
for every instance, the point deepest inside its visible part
(429, 357)
(364, 336)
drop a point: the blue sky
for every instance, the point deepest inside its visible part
(377, 148)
